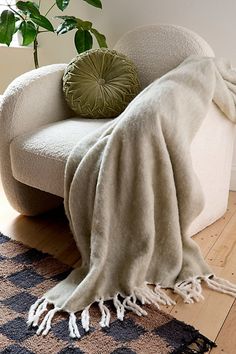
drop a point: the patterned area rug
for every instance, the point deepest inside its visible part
(25, 274)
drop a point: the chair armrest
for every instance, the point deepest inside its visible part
(32, 100)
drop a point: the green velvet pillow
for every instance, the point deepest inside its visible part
(100, 83)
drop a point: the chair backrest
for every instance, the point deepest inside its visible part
(157, 49)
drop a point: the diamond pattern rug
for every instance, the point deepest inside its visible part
(25, 274)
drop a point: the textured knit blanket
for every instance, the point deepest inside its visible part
(130, 195)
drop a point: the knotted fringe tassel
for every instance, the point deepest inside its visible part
(36, 310)
(45, 326)
(148, 296)
(73, 328)
(190, 290)
(85, 318)
(163, 298)
(221, 285)
(129, 303)
(120, 309)
(106, 316)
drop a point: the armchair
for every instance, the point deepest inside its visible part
(38, 130)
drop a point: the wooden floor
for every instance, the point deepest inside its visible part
(215, 317)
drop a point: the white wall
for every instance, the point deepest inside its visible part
(214, 20)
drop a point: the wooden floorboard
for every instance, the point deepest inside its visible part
(215, 316)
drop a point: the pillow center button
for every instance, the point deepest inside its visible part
(101, 82)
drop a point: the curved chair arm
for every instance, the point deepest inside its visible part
(32, 100)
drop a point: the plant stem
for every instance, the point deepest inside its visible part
(50, 9)
(36, 60)
(17, 13)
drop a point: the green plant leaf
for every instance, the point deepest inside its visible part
(28, 31)
(85, 25)
(101, 39)
(7, 26)
(96, 3)
(28, 7)
(62, 4)
(66, 26)
(32, 10)
(43, 22)
(71, 22)
(83, 40)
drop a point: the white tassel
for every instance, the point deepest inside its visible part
(120, 309)
(132, 306)
(73, 328)
(147, 296)
(45, 326)
(221, 285)
(85, 318)
(141, 297)
(190, 290)
(33, 308)
(163, 297)
(106, 316)
(40, 310)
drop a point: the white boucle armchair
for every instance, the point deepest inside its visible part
(38, 130)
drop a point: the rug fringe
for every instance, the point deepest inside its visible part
(198, 345)
(190, 290)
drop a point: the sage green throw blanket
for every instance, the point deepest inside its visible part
(130, 196)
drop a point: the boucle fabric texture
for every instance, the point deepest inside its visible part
(156, 49)
(130, 196)
(26, 272)
(31, 101)
(100, 83)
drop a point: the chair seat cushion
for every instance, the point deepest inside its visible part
(38, 158)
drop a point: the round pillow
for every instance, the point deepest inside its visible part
(100, 83)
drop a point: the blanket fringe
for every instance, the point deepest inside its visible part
(34, 311)
(85, 318)
(106, 315)
(221, 285)
(190, 290)
(120, 309)
(73, 328)
(156, 297)
(45, 326)
(163, 298)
